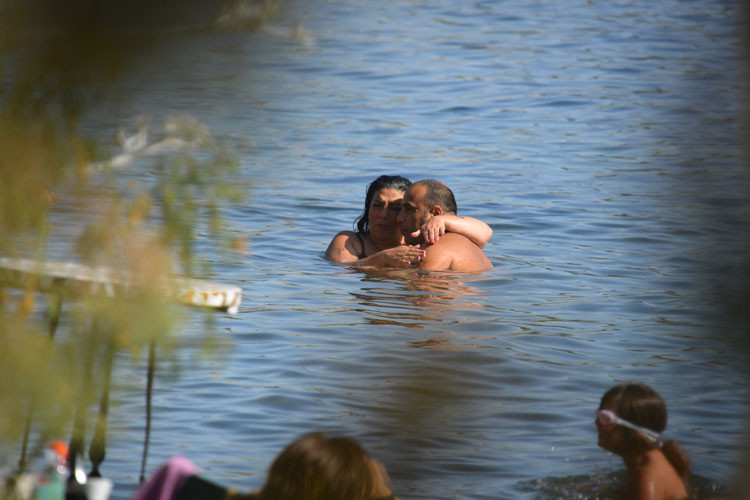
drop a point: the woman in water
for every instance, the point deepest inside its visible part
(378, 240)
(629, 420)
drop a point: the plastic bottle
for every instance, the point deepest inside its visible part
(51, 482)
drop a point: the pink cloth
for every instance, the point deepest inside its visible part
(167, 480)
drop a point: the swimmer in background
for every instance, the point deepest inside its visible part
(629, 420)
(378, 240)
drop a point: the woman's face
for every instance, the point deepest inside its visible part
(382, 218)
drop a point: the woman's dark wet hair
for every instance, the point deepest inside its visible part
(316, 467)
(384, 181)
(642, 405)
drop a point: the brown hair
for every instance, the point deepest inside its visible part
(643, 406)
(316, 467)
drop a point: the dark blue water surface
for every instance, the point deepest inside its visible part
(602, 141)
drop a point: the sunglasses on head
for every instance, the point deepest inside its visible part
(607, 417)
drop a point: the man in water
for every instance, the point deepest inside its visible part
(451, 252)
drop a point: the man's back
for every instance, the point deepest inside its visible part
(454, 252)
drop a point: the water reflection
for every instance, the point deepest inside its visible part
(426, 293)
(431, 302)
(423, 403)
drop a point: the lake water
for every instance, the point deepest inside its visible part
(604, 144)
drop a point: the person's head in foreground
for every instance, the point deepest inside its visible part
(318, 467)
(629, 420)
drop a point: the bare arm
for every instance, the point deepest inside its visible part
(346, 248)
(474, 229)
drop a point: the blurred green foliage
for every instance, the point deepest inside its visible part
(56, 60)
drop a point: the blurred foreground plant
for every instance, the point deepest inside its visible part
(53, 55)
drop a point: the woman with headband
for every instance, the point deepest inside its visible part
(629, 420)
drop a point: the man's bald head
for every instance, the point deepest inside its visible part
(437, 194)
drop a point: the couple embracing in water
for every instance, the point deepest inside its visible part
(407, 224)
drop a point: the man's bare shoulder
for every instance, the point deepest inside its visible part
(454, 239)
(455, 252)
